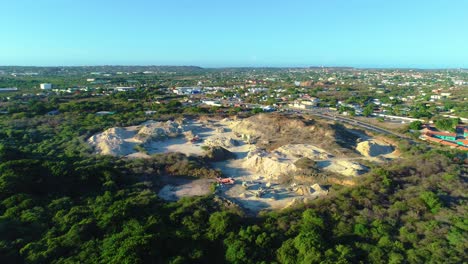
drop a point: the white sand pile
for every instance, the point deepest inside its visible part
(113, 141)
(227, 122)
(315, 189)
(373, 149)
(282, 161)
(189, 134)
(303, 150)
(345, 167)
(152, 130)
(270, 165)
(220, 130)
(303, 190)
(319, 189)
(221, 141)
(119, 141)
(294, 202)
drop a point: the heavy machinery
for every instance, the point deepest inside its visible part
(225, 180)
(195, 139)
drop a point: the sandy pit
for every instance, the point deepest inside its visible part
(257, 171)
(374, 148)
(149, 138)
(175, 188)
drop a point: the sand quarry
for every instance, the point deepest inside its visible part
(259, 171)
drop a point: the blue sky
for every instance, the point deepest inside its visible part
(360, 33)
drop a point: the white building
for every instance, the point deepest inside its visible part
(187, 90)
(46, 86)
(150, 112)
(257, 90)
(305, 104)
(9, 89)
(268, 108)
(124, 89)
(101, 113)
(212, 103)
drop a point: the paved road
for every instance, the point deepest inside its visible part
(357, 123)
(335, 117)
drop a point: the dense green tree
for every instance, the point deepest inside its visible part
(368, 110)
(416, 125)
(447, 124)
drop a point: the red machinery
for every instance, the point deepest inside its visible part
(195, 139)
(225, 180)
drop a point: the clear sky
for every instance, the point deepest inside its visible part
(217, 33)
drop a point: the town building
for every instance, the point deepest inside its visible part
(187, 90)
(305, 104)
(212, 103)
(124, 89)
(9, 89)
(46, 86)
(102, 113)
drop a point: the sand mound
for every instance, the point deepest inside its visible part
(152, 130)
(344, 167)
(265, 125)
(218, 154)
(271, 131)
(271, 166)
(303, 150)
(119, 141)
(294, 202)
(374, 149)
(315, 189)
(319, 189)
(220, 130)
(113, 142)
(282, 161)
(303, 190)
(189, 134)
(221, 141)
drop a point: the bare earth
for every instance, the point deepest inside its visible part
(177, 188)
(257, 172)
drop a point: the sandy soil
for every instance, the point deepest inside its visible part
(153, 137)
(374, 148)
(256, 171)
(177, 187)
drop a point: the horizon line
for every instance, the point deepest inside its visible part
(239, 67)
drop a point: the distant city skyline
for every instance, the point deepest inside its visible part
(240, 67)
(216, 34)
